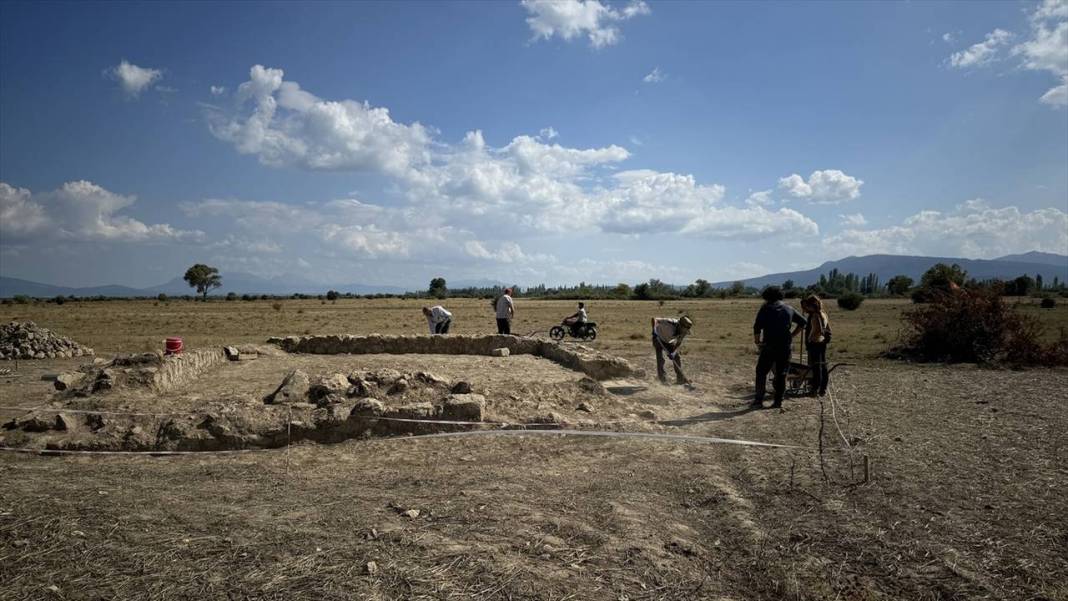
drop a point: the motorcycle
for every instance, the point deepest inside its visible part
(586, 330)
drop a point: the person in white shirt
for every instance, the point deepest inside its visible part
(578, 318)
(438, 319)
(505, 309)
(667, 337)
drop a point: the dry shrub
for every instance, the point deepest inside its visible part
(976, 326)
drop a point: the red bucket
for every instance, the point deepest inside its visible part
(174, 346)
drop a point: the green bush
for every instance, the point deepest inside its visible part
(1048, 303)
(976, 326)
(850, 301)
(21, 299)
(162, 297)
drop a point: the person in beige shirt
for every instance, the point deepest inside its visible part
(668, 335)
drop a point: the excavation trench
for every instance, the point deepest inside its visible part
(323, 389)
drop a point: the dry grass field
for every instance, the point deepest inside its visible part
(965, 498)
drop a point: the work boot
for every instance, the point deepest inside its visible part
(757, 404)
(776, 405)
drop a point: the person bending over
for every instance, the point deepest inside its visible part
(668, 335)
(438, 319)
(771, 333)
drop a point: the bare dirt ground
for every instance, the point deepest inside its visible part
(965, 498)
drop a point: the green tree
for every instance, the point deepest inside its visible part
(943, 277)
(203, 278)
(331, 295)
(621, 290)
(737, 288)
(899, 285)
(701, 288)
(438, 288)
(641, 291)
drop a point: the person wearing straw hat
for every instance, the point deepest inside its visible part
(668, 335)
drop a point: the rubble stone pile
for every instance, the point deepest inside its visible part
(26, 340)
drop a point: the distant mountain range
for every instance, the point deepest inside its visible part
(239, 283)
(885, 266)
(1048, 265)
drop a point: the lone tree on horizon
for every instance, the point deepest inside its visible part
(203, 278)
(438, 288)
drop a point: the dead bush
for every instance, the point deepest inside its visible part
(976, 326)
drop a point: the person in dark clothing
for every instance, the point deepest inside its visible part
(817, 337)
(771, 333)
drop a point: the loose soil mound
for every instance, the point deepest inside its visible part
(25, 340)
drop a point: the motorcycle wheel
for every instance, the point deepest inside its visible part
(591, 334)
(556, 333)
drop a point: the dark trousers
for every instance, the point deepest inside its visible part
(772, 357)
(504, 326)
(817, 364)
(442, 327)
(676, 362)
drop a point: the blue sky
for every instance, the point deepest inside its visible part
(525, 141)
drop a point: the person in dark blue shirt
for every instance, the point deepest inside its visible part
(772, 334)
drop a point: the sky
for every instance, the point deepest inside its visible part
(525, 142)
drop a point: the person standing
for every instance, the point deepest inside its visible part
(771, 333)
(817, 337)
(505, 309)
(438, 319)
(668, 335)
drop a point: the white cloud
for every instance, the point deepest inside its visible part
(973, 229)
(1047, 48)
(80, 211)
(654, 76)
(19, 214)
(506, 252)
(830, 186)
(854, 220)
(218, 90)
(530, 185)
(981, 53)
(949, 37)
(133, 79)
(573, 18)
(548, 133)
(762, 198)
(750, 223)
(644, 201)
(288, 126)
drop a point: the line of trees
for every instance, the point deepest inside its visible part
(833, 284)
